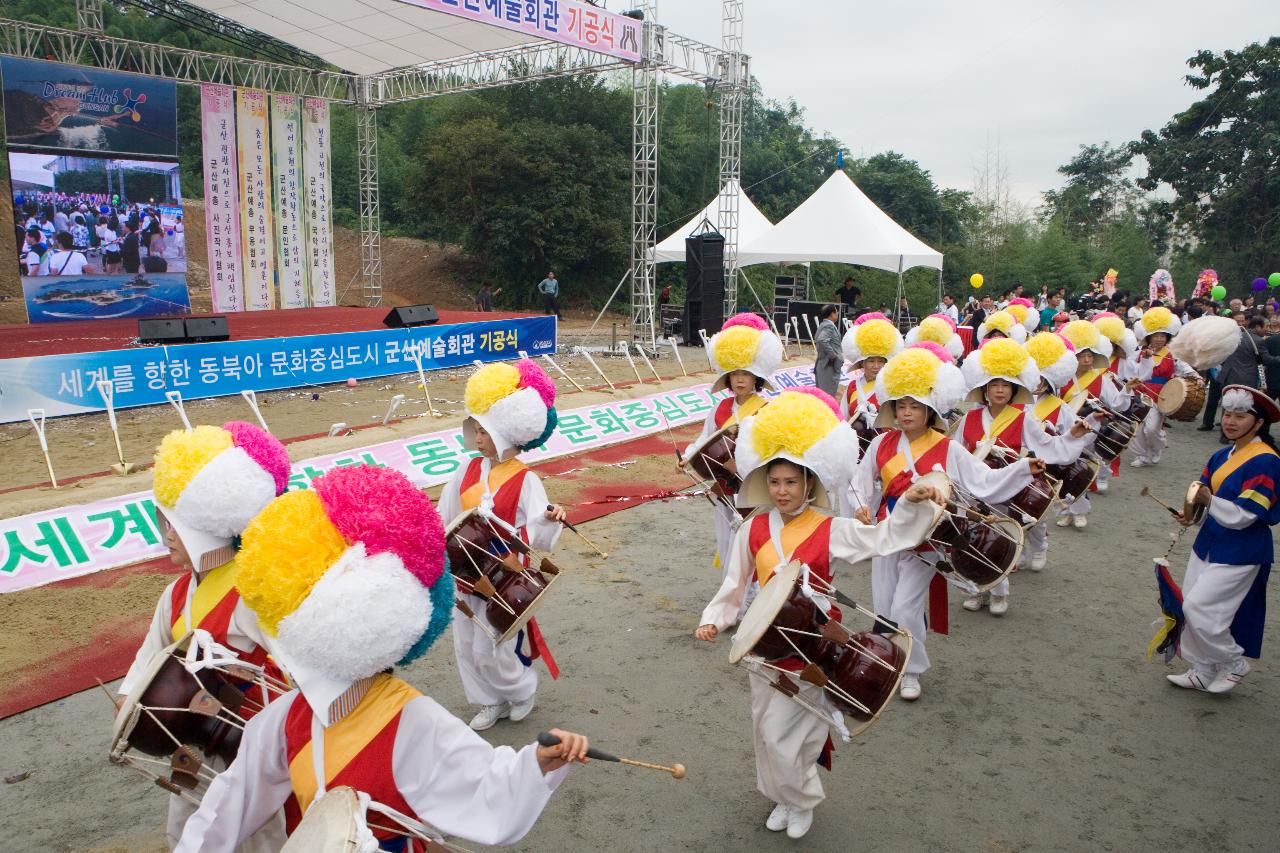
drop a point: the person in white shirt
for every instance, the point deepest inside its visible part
(1136, 310)
(67, 261)
(35, 256)
(948, 307)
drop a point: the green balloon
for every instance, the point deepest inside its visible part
(1226, 311)
(1218, 293)
(1274, 279)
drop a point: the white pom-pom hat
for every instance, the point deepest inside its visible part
(871, 336)
(745, 342)
(1001, 358)
(803, 427)
(939, 329)
(919, 375)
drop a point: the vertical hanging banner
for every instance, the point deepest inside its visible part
(316, 179)
(255, 200)
(221, 195)
(292, 264)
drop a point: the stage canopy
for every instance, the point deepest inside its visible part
(838, 223)
(366, 36)
(751, 224)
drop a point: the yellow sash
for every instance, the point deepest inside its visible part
(347, 738)
(1158, 357)
(212, 589)
(1047, 407)
(919, 448)
(1251, 451)
(794, 533)
(746, 410)
(1082, 383)
(498, 476)
(1002, 421)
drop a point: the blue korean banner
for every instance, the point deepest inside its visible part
(67, 384)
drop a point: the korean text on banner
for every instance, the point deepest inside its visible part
(565, 21)
(292, 267)
(316, 179)
(255, 200)
(66, 384)
(221, 196)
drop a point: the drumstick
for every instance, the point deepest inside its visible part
(676, 770)
(1146, 493)
(581, 535)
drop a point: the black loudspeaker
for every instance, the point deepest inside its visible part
(207, 329)
(411, 315)
(812, 310)
(162, 330)
(704, 281)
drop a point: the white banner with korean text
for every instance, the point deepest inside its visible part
(317, 179)
(221, 196)
(255, 200)
(292, 267)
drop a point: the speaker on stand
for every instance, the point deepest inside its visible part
(704, 283)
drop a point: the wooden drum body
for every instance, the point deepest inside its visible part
(1181, 399)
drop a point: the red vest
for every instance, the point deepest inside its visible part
(1160, 374)
(814, 552)
(896, 487)
(507, 499)
(974, 431)
(724, 411)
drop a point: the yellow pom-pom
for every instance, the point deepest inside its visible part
(793, 422)
(1019, 312)
(180, 457)
(1003, 357)
(1046, 348)
(286, 548)
(1001, 320)
(911, 373)
(1155, 319)
(1082, 334)
(1111, 327)
(735, 347)
(875, 338)
(935, 329)
(490, 384)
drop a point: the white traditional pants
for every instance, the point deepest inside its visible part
(899, 591)
(1082, 505)
(1149, 441)
(269, 839)
(1035, 541)
(788, 742)
(490, 676)
(726, 524)
(1211, 595)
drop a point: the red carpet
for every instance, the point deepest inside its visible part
(22, 340)
(590, 485)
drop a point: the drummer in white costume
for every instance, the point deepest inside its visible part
(916, 388)
(1001, 376)
(747, 354)
(510, 409)
(1154, 368)
(208, 483)
(870, 342)
(797, 449)
(349, 578)
(1123, 365)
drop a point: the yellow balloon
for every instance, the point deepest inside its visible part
(976, 279)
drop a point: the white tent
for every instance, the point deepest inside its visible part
(751, 225)
(839, 223)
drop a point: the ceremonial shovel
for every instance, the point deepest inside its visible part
(107, 390)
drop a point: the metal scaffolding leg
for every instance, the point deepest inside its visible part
(731, 88)
(370, 220)
(89, 16)
(644, 181)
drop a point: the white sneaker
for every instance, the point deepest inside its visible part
(1102, 485)
(798, 822)
(1139, 463)
(1192, 679)
(974, 603)
(778, 818)
(1038, 561)
(520, 710)
(910, 687)
(999, 605)
(489, 716)
(1080, 521)
(1230, 676)
(1063, 521)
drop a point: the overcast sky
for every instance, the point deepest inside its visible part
(941, 81)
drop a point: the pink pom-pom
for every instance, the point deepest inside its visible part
(821, 395)
(1102, 315)
(263, 448)
(1023, 301)
(382, 509)
(945, 319)
(937, 349)
(1070, 346)
(746, 318)
(871, 315)
(532, 376)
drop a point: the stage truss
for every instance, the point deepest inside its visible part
(724, 71)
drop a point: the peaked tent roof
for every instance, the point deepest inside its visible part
(751, 225)
(839, 223)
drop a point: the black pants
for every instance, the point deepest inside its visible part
(1211, 404)
(551, 305)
